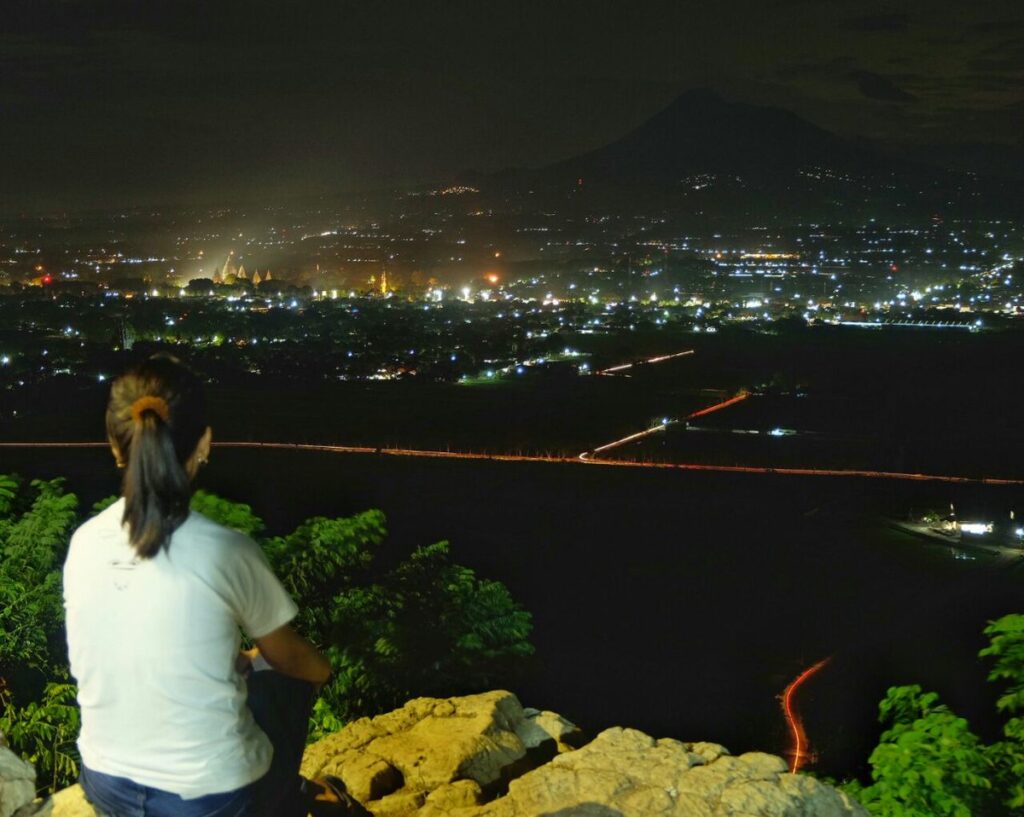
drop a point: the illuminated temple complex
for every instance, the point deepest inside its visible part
(230, 274)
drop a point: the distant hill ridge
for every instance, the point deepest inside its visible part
(700, 132)
(706, 159)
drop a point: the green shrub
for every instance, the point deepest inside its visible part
(1006, 648)
(38, 713)
(929, 763)
(426, 626)
(44, 733)
(36, 523)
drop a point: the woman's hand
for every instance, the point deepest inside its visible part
(290, 654)
(244, 659)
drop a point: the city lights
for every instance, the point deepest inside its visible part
(695, 331)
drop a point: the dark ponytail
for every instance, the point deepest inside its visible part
(156, 416)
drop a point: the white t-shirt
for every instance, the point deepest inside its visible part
(153, 644)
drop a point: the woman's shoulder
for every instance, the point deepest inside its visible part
(98, 540)
(199, 530)
(104, 524)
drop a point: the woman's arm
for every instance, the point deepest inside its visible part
(291, 654)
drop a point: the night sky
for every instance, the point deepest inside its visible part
(117, 103)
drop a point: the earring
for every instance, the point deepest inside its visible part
(121, 464)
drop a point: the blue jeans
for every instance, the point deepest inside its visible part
(281, 706)
(121, 797)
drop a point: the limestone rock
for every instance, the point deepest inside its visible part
(485, 756)
(37, 808)
(548, 731)
(431, 743)
(71, 802)
(626, 773)
(399, 804)
(454, 758)
(17, 783)
(460, 794)
(18, 787)
(369, 778)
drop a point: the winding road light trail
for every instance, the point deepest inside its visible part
(465, 455)
(799, 754)
(587, 456)
(732, 401)
(659, 359)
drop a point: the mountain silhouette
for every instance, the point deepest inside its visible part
(744, 163)
(700, 132)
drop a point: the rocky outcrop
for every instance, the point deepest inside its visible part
(486, 756)
(457, 750)
(71, 802)
(625, 773)
(18, 787)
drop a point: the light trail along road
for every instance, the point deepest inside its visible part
(586, 456)
(577, 460)
(799, 751)
(613, 370)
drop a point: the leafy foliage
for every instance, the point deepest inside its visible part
(44, 733)
(323, 721)
(103, 504)
(34, 536)
(424, 626)
(428, 627)
(320, 557)
(1006, 648)
(8, 491)
(38, 713)
(928, 763)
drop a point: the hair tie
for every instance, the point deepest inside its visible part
(151, 403)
